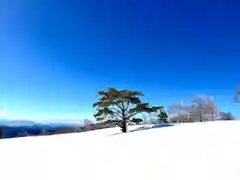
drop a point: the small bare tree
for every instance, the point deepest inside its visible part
(237, 95)
(204, 108)
(176, 110)
(201, 108)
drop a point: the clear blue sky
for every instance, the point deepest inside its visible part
(56, 54)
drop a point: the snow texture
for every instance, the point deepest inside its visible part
(197, 151)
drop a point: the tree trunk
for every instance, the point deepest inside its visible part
(124, 126)
(201, 114)
(165, 121)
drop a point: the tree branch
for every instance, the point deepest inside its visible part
(119, 124)
(119, 115)
(123, 105)
(116, 112)
(115, 103)
(118, 106)
(132, 115)
(112, 108)
(127, 105)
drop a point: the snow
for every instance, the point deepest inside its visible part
(198, 151)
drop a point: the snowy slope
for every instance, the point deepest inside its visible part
(206, 151)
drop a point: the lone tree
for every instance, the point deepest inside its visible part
(120, 106)
(162, 116)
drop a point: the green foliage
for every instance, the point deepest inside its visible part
(120, 106)
(162, 116)
(136, 120)
(111, 122)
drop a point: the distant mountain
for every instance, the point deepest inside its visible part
(66, 122)
(18, 128)
(63, 123)
(17, 123)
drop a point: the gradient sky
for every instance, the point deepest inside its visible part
(56, 54)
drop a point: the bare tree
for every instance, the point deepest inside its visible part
(176, 110)
(204, 107)
(211, 111)
(197, 108)
(237, 95)
(201, 108)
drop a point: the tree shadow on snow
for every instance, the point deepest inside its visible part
(133, 130)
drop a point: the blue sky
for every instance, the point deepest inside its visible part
(56, 54)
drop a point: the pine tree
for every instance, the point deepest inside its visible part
(162, 116)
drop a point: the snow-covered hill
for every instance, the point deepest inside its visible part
(199, 151)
